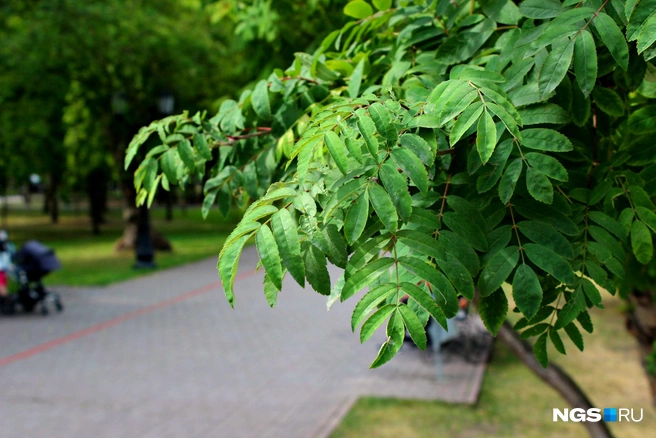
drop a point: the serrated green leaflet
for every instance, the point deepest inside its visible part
(383, 121)
(460, 249)
(267, 250)
(540, 8)
(540, 350)
(414, 326)
(546, 140)
(493, 309)
(412, 165)
(509, 179)
(186, 153)
(585, 62)
(557, 341)
(544, 113)
(647, 216)
(641, 242)
(539, 186)
(569, 312)
(367, 128)
(608, 223)
(425, 301)
(270, 291)
(344, 193)
(548, 237)
(486, 137)
(549, 262)
(612, 36)
(395, 336)
(228, 264)
(370, 301)
(397, 187)
(356, 80)
(497, 270)
(375, 321)
(575, 335)
(547, 165)
(608, 101)
(260, 100)
(356, 218)
(543, 213)
(643, 120)
(527, 291)
(468, 117)
(592, 292)
(364, 276)
(337, 150)
(555, 66)
(467, 229)
(383, 206)
(445, 295)
(336, 246)
(286, 236)
(418, 146)
(316, 269)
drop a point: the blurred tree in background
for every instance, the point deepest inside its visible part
(78, 79)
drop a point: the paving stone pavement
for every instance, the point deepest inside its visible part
(165, 356)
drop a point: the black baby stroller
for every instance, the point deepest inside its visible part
(33, 262)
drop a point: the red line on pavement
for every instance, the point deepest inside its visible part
(113, 322)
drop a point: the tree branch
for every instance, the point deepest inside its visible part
(555, 377)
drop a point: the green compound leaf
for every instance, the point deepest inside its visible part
(497, 270)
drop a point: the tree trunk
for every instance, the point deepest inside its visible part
(555, 377)
(97, 191)
(641, 323)
(51, 204)
(131, 216)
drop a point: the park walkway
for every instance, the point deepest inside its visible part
(165, 356)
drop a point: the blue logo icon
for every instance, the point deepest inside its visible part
(610, 415)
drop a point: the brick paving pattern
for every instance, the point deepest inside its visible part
(122, 361)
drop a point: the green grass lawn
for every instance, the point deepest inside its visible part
(90, 260)
(515, 403)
